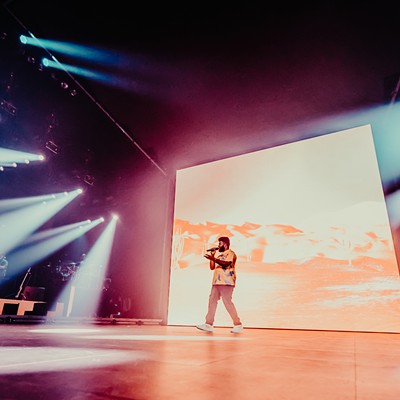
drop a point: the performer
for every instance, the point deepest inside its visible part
(222, 262)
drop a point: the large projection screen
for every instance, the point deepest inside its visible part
(309, 224)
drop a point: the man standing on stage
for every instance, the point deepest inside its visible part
(222, 262)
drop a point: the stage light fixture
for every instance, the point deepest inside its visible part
(64, 85)
(8, 164)
(52, 146)
(89, 179)
(10, 82)
(11, 158)
(8, 107)
(52, 120)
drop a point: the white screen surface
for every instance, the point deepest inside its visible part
(309, 224)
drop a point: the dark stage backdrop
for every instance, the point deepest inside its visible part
(309, 224)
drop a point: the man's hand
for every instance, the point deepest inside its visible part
(223, 264)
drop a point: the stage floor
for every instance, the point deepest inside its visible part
(87, 360)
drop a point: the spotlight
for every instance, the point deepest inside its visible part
(9, 164)
(73, 92)
(23, 39)
(64, 85)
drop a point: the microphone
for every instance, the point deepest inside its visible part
(213, 249)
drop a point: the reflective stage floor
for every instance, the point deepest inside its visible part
(128, 361)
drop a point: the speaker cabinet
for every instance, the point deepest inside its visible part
(10, 309)
(33, 293)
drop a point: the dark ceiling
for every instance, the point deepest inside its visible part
(207, 81)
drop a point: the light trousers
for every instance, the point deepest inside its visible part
(225, 292)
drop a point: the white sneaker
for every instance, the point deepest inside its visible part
(205, 327)
(237, 328)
